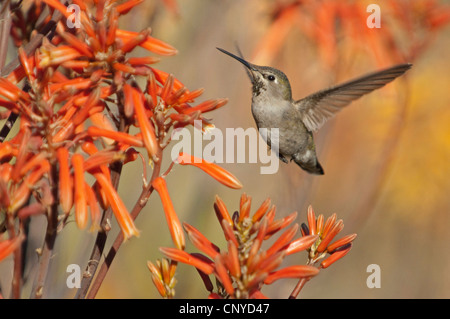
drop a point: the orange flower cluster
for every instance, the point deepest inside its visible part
(77, 112)
(318, 21)
(243, 269)
(326, 231)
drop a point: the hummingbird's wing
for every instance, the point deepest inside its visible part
(318, 107)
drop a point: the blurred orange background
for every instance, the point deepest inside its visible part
(386, 157)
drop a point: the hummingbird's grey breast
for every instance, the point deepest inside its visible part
(294, 141)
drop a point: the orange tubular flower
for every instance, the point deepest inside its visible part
(8, 105)
(298, 271)
(120, 211)
(120, 137)
(221, 211)
(200, 241)
(17, 75)
(124, 68)
(301, 244)
(283, 240)
(232, 259)
(8, 246)
(130, 44)
(223, 276)
(77, 83)
(147, 129)
(127, 6)
(341, 242)
(100, 120)
(8, 90)
(151, 44)
(55, 56)
(330, 235)
(74, 42)
(152, 88)
(261, 210)
(99, 159)
(128, 107)
(4, 194)
(27, 64)
(5, 150)
(279, 224)
(81, 214)
(167, 88)
(58, 6)
(94, 207)
(311, 221)
(162, 76)
(102, 158)
(184, 257)
(211, 169)
(65, 182)
(335, 256)
(190, 96)
(171, 217)
(157, 279)
(32, 163)
(22, 156)
(143, 60)
(22, 194)
(206, 106)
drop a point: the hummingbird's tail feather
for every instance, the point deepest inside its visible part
(313, 168)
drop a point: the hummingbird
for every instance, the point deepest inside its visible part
(297, 120)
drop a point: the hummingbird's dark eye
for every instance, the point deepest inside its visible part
(271, 78)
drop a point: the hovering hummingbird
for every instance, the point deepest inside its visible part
(273, 107)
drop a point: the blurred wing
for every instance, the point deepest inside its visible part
(317, 108)
(242, 57)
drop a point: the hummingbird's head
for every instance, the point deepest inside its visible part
(266, 80)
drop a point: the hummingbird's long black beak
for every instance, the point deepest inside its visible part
(249, 67)
(247, 64)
